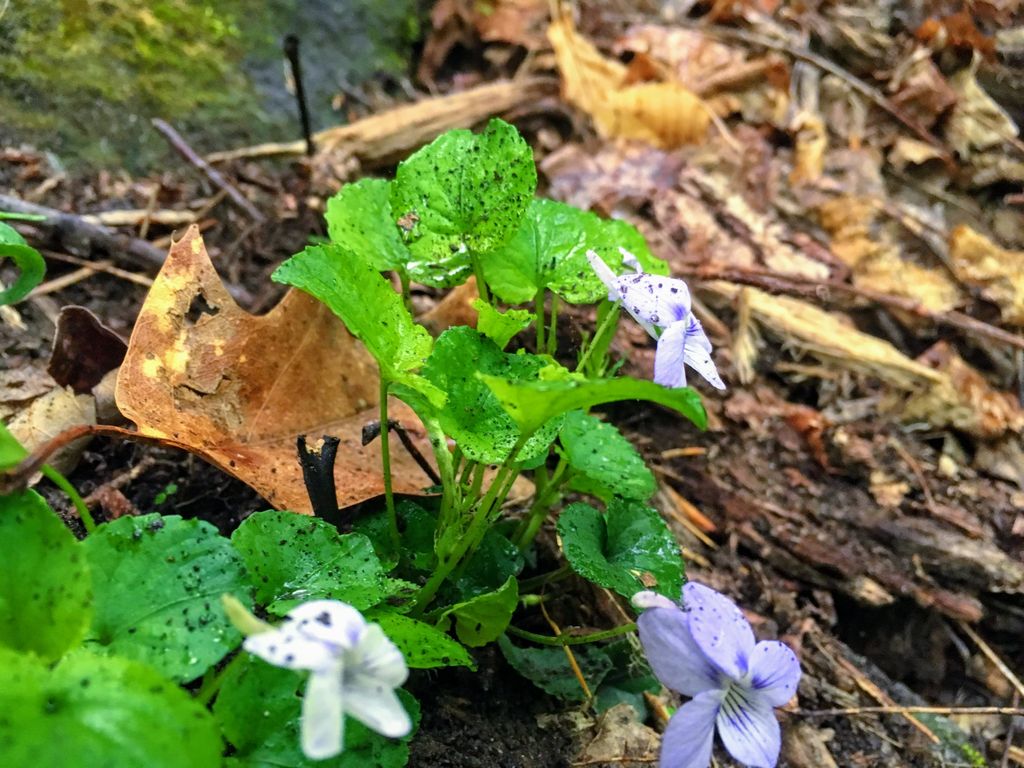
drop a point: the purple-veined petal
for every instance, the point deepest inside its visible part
(605, 274)
(378, 707)
(323, 715)
(690, 734)
(288, 647)
(774, 671)
(719, 628)
(697, 353)
(748, 728)
(674, 657)
(378, 659)
(630, 261)
(669, 370)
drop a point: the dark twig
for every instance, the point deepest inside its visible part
(372, 431)
(215, 176)
(818, 290)
(291, 52)
(318, 475)
(71, 232)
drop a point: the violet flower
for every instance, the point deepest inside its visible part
(662, 306)
(706, 649)
(354, 670)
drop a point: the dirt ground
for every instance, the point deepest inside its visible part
(859, 489)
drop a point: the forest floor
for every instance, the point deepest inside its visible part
(850, 221)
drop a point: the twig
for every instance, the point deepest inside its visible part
(66, 281)
(774, 282)
(992, 656)
(116, 483)
(291, 52)
(911, 462)
(215, 176)
(568, 654)
(1010, 732)
(913, 710)
(76, 234)
(371, 432)
(317, 463)
(101, 266)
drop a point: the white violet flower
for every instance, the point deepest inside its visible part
(354, 670)
(662, 306)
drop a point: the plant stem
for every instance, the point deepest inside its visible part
(564, 639)
(538, 311)
(65, 485)
(611, 317)
(525, 585)
(541, 508)
(481, 284)
(552, 331)
(385, 460)
(213, 680)
(403, 279)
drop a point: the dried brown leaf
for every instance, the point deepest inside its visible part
(997, 272)
(204, 375)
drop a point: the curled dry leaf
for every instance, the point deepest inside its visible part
(49, 415)
(204, 375)
(665, 114)
(977, 122)
(996, 272)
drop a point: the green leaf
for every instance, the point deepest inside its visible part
(423, 646)
(45, 587)
(28, 260)
(494, 562)
(534, 403)
(630, 677)
(259, 710)
(356, 292)
(625, 550)
(158, 583)
(294, 558)
(416, 526)
(462, 194)
(548, 668)
(473, 416)
(549, 251)
(600, 452)
(500, 327)
(11, 451)
(482, 619)
(359, 218)
(96, 711)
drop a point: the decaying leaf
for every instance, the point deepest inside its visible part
(977, 122)
(49, 415)
(204, 375)
(874, 258)
(666, 114)
(940, 388)
(998, 273)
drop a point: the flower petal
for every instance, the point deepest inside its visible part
(674, 657)
(690, 734)
(775, 671)
(323, 715)
(648, 599)
(697, 353)
(604, 272)
(749, 730)
(378, 658)
(288, 647)
(719, 629)
(379, 708)
(668, 360)
(330, 621)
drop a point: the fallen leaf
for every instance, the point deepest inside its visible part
(49, 415)
(665, 114)
(998, 273)
(84, 350)
(454, 309)
(204, 375)
(520, 22)
(977, 122)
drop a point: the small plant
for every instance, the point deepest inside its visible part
(113, 622)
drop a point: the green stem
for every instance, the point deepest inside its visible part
(403, 278)
(526, 585)
(213, 680)
(481, 284)
(385, 460)
(538, 311)
(552, 331)
(62, 482)
(541, 508)
(564, 639)
(611, 317)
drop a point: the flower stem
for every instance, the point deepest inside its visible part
(552, 330)
(541, 508)
(65, 485)
(481, 284)
(385, 460)
(564, 639)
(609, 319)
(538, 311)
